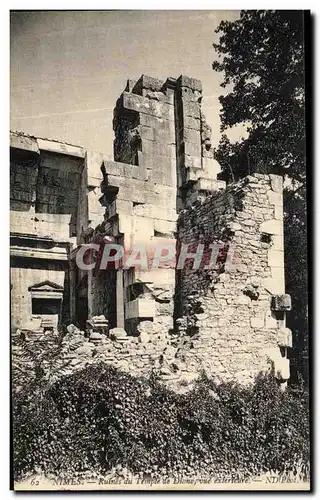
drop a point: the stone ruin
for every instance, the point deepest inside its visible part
(163, 185)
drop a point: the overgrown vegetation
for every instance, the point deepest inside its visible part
(99, 418)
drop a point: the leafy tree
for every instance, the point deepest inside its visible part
(261, 57)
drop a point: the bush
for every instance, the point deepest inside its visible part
(99, 418)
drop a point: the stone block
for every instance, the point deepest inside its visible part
(147, 132)
(121, 207)
(191, 135)
(211, 167)
(234, 226)
(212, 185)
(140, 308)
(148, 106)
(61, 148)
(163, 171)
(125, 224)
(164, 227)
(281, 302)
(277, 242)
(128, 189)
(130, 85)
(282, 369)
(257, 322)
(156, 123)
(275, 258)
(152, 148)
(192, 83)
(192, 162)
(117, 333)
(276, 182)
(191, 108)
(271, 322)
(165, 134)
(192, 149)
(155, 212)
(148, 83)
(95, 337)
(275, 198)
(72, 329)
(125, 170)
(275, 283)
(142, 228)
(22, 142)
(278, 212)
(192, 122)
(192, 174)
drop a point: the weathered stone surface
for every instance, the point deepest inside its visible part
(117, 333)
(282, 369)
(229, 342)
(165, 165)
(149, 83)
(257, 322)
(72, 329)
(276, 183)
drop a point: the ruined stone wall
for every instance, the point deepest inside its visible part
(227, 325)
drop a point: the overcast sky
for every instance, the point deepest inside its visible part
(69, 68)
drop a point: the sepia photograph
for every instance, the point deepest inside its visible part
(159, 250)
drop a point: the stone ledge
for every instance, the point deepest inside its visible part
(281, 302)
